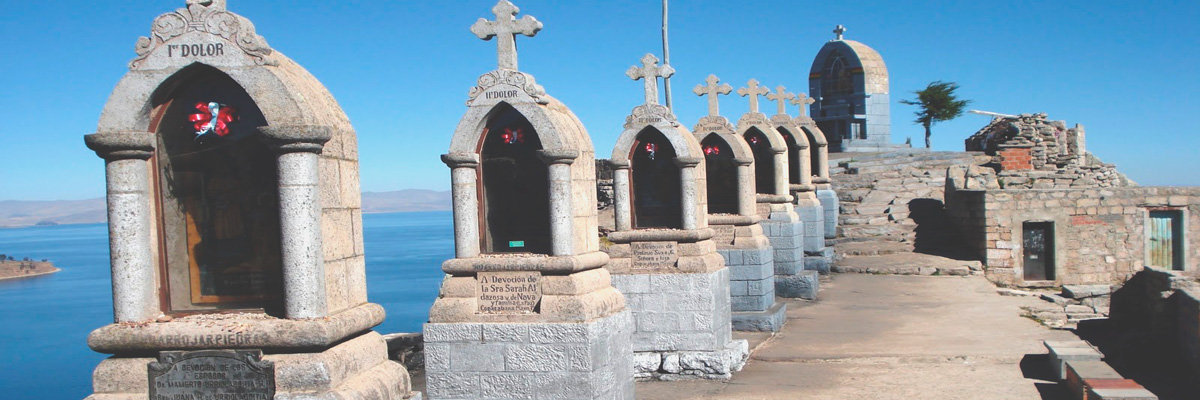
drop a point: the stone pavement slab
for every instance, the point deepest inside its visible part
(891, 337)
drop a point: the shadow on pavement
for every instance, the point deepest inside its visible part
(1037, 366)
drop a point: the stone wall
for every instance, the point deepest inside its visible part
(1032, 152)
(1099, 233)
(604, 184)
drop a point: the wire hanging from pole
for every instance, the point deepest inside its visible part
(666, 56)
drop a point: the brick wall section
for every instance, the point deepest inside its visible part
(1016, 159)
(1099, 233)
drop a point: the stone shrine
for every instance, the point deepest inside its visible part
(235, 226)
(819, 155)
(732, 215)
(817, 257)
(849, 82)
(664, 258)
(780, 221)
(527, 309)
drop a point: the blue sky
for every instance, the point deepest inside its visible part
(401, 70)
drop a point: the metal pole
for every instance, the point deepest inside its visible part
(666, 56)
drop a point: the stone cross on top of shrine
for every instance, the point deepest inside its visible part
(839, 31)
(753, 90)
(712, 90)
(650, 71)
(505, 28)
(781, 97)
(803, 101)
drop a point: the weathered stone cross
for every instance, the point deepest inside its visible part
(753, 90)
(781, 97)
(712, 90)
(505, 28)
(803, 101)
(650, 71)
(839, 31)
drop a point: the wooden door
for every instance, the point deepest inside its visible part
(1165, 245)
(1038, 239)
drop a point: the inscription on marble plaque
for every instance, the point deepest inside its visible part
(509, 292)
(212, 375)
(653, 255)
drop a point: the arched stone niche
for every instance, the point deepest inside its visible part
(523, 178)
(730, 168)
(819, 148)
(651, 125)
(770, 159)
(261, 216)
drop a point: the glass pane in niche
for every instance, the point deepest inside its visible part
(218, 195)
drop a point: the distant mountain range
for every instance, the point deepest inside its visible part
(16, 214)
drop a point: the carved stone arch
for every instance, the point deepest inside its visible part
(556, 132)
(764, 158)
(678, 137)
(286, 94)
(818, 145)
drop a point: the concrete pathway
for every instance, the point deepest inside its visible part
(891, 337)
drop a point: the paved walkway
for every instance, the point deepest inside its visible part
(891, 337)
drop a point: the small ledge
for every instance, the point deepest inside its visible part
(662, 235)
(733, 219)
(525, 262)
(235, 331)
(773, 198)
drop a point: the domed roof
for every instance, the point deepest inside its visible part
(855, 55)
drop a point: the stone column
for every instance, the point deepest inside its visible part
(622, 212)
(782, 185)
(298, 148)
(689, 198)
(746, 198)
(561, 222)
(134, 280)
(466, 206)
(823, 163)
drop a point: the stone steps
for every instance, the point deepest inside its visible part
(907, 264)
(871, 248)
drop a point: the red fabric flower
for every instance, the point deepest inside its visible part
(513, 136)
(712, 150)
(204, 122)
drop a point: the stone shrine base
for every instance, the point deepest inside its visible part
(588, 360)
(681, 365)
(678, 312)
(752, 289)
(792, 279)
(357, 368)
(829, 202)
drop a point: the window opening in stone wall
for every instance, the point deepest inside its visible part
(656, 182)
(1038, 241)
(814, 161)
(793, 156)
(837, 77)
(516, 186)
(1165, 247)
(721, 175)
(217, 191)
(764, 161)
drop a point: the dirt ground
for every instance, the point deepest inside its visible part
(892, 337)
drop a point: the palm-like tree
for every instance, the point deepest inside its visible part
(937, 103)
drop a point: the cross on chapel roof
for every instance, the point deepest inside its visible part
(505, 28)
(781, 97)
(803, 101)
(711, 89)
(650, 71)
(753, 90)
(839, 31)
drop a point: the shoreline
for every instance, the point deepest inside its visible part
(10, 270)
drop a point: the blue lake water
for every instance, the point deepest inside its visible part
(44, 321)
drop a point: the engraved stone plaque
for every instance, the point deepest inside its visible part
(509, 292)
(212, 375)
(655, 255)
(724, 234)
